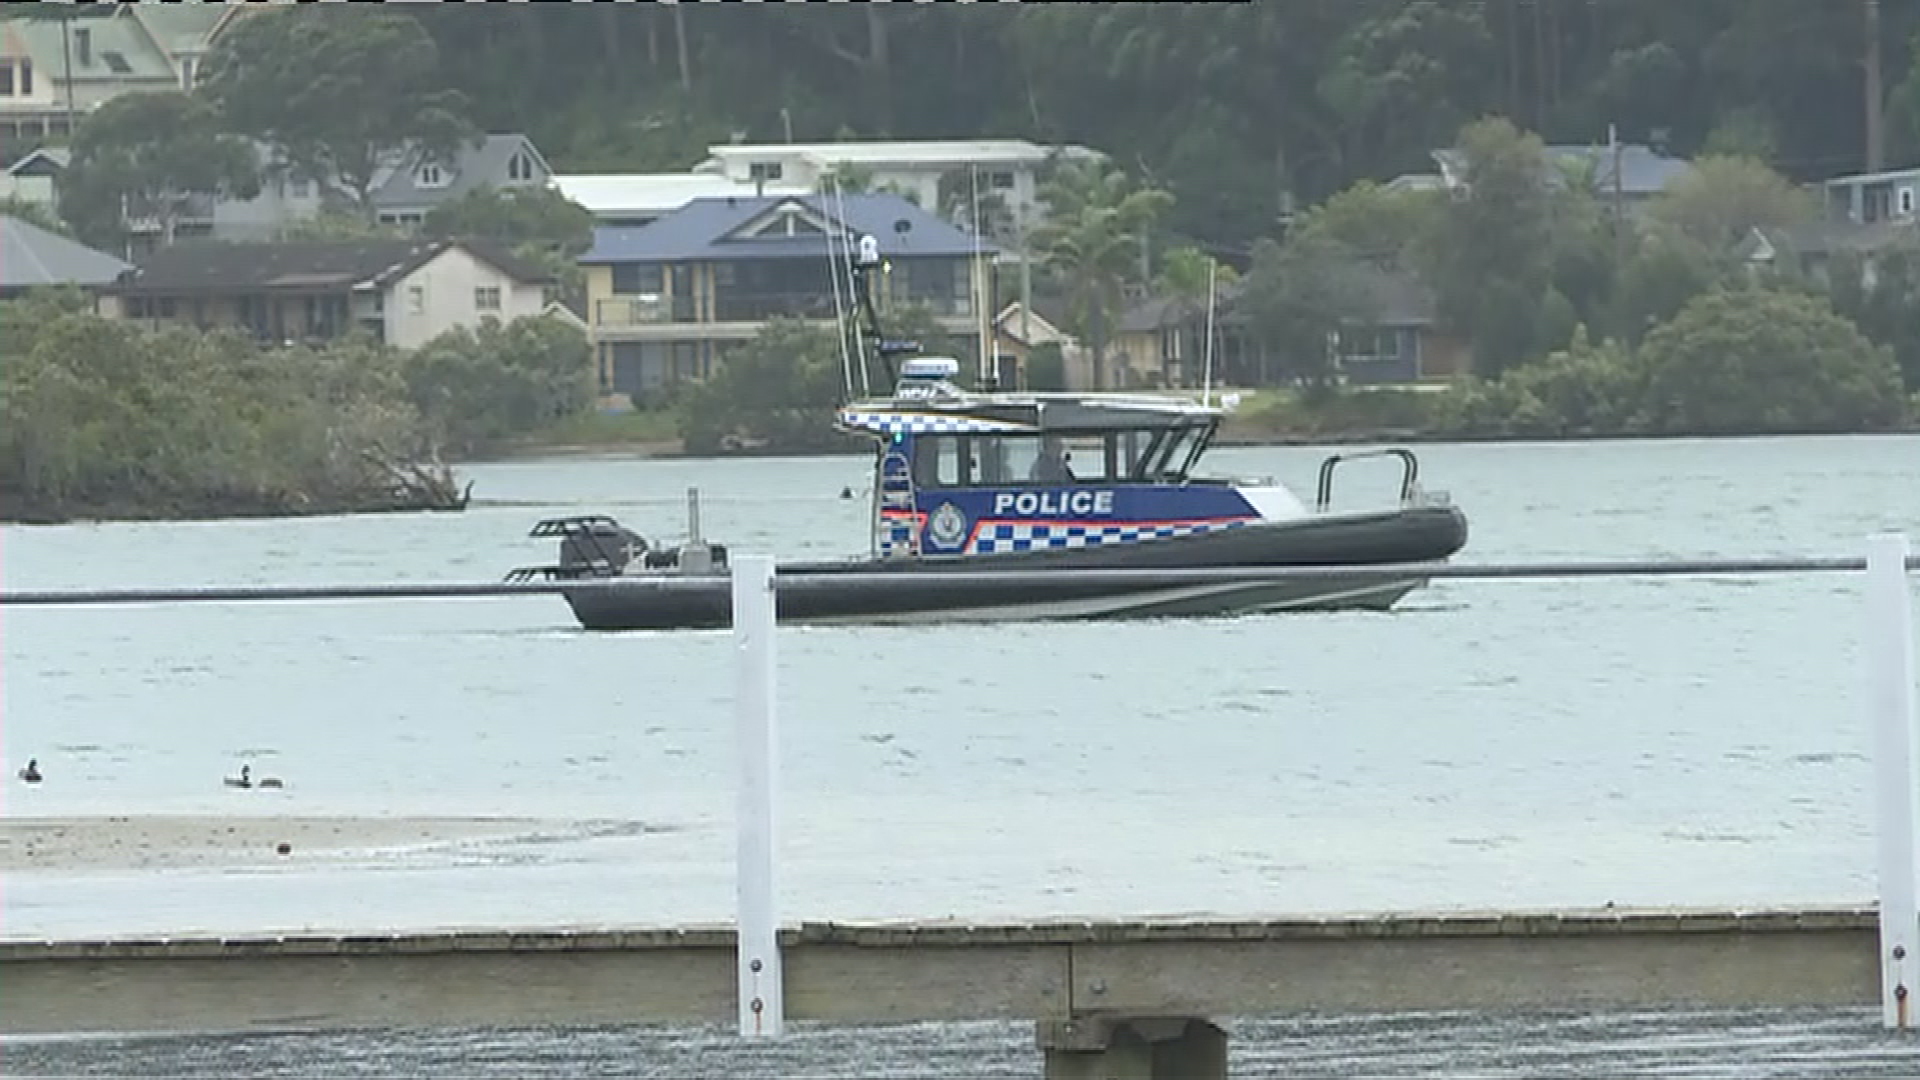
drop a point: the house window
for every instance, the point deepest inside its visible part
(16, 77)
(1000, 181)
(638, 279)
(417, 299)
(300, 187)
(430, 176)
(1906, 202)
(520, 167)
(766, 170)
(486, 298)
(189, 71)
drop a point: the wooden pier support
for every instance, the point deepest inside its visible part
(1097, 1046)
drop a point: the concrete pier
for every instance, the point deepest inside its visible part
(1123, 998)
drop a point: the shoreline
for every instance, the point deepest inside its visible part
(127, 512)
(651, 451)
(142, 842)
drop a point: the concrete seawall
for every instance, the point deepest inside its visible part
(1057, 973)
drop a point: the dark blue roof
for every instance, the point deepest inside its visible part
(701, 229)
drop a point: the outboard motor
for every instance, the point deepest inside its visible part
(591, 546)
(600, 548)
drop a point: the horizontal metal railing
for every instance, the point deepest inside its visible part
(882, 580)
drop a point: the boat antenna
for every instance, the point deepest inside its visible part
(974, 276)
(846, 247)
(1206, 380)
(864, 266)
(839, 310)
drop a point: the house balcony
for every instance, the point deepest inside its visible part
(739, 316)
(644, 309)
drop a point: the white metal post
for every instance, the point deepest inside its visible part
(1890, 648)
(762, 1001)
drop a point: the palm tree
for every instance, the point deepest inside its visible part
(1097, 220)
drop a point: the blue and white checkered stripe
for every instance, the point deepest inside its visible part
(994, 537)
(925, 424)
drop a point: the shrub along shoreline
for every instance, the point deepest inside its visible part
(101, 419)
(104, 419)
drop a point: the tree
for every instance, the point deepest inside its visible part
(777, 392)
(1093, 239)
(99, 416)
(1724, 198)
(151, 156)
(1886, 305)
(478, 388)
(1377, 221)
(345, 95)
(1765, 361)
(1297, 299)
(537, 223)
(1493, 255)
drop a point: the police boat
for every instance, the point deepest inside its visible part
(1056, 483)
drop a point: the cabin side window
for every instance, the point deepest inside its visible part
(1114, 457)
(936, 461)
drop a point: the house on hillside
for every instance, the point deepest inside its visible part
(125, 49)
(1394, 336)
(401, 195)
(1641, 172)
(626, 200)
(32, 177)
(1810, 249)
(401, 292)
(404, 195)
(1872, 198)
(1018, 334)
(666, 300)
(33, 258)
(938, 175)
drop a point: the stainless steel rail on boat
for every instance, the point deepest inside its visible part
(1409, 475)
(706, 582)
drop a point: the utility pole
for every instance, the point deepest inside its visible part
(1876, 137)
(1026, 300)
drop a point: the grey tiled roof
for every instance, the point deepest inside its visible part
(476, 165)
(699, 231)
(217, 267)
(1642, 171)
(30, 257)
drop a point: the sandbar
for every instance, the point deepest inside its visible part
(158, 842)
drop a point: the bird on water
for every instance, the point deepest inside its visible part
(245, 780)
(31, 774)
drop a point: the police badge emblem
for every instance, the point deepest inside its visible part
(948, 527)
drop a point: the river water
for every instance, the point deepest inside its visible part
(1489, 744)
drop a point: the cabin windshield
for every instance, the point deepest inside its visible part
(1162, 456)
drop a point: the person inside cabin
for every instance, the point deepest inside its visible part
(1051, 467)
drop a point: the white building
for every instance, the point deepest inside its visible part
(629, 199)
(402, 292)
(1008, 169)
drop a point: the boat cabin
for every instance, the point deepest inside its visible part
(960, 473)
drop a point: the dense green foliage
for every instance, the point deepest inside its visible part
(104, 417)
(344, 96)
(1259, 133)
(1734, 361)
(148, 157)
(480, 389)
(1238, 110)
